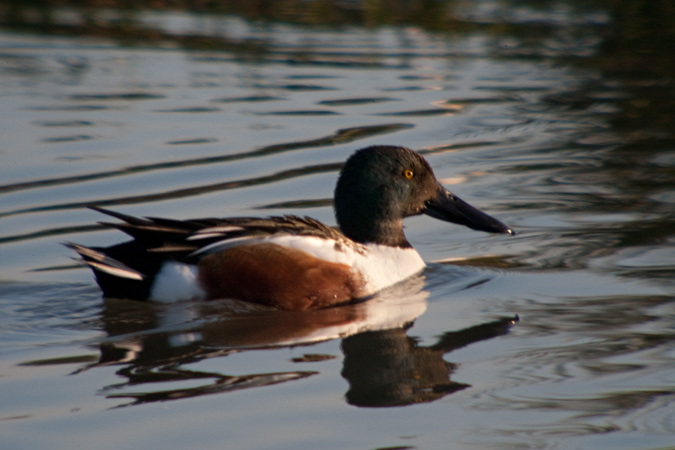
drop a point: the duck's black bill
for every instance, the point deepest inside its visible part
(450, 208)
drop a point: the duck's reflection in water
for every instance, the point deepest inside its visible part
(383, 365)
(389, 368)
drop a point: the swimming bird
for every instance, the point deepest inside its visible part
(288, 262)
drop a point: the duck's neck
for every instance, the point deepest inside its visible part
(382, 232)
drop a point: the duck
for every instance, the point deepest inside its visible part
(288, 262)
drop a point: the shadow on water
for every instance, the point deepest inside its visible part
(383, 365)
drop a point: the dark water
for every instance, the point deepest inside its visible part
(559, 120)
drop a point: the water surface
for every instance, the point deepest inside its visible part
(556, 120)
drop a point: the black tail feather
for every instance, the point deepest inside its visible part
(118, 275)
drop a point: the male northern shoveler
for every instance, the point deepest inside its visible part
(289, 262)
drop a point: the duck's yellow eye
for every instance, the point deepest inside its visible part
(408, 173)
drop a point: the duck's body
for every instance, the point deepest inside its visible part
(288, 262)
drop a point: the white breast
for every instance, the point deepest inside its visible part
(380, 265)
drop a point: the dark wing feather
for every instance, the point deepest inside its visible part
(180, 239)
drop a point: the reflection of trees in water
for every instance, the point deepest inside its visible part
(635, 46)
(430, 14)
(637, 42)
(631, 92)
(635, 57)
(633, 25)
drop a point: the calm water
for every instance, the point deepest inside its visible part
(559, 121)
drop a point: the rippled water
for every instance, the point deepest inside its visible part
(551, 120)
